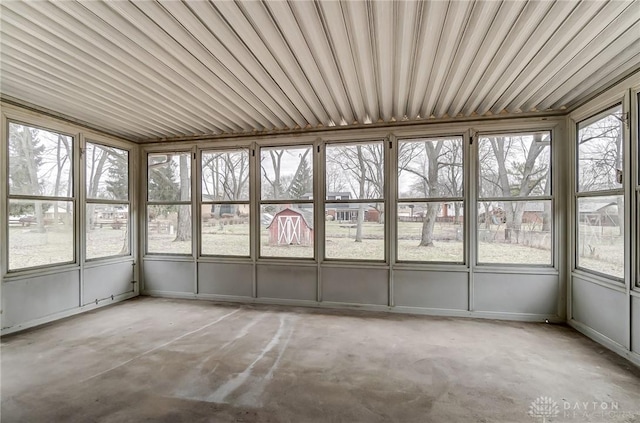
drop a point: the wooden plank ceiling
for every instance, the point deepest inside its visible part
(167, 69)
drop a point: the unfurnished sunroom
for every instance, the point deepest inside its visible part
(462, 159)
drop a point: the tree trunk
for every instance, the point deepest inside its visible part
(513, 216)
(546, 215)
(125, 242)
(508, 217)
(429, 220)
(363, 181)
(359, 222)
(183, 233)
(32, 168)
(428, 223)
(94, 183)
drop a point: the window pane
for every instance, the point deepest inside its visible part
(40, 233)
(601, 235)
(169, 177)
(287, 173)
(354, 231)
(430, 168)
(515, 232)
(225, 176)
(107, 174)
(515, 165)
(355, 171)
(225, 229)
(600, 152)
(40, 162)
(169, 229)
(107, 230)
(431, 232)
(286, 230)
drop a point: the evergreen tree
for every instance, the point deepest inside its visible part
(118, 183)
(162, 185)
(302, 182)
(25, 157)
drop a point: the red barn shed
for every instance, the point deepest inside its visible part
(291, 227)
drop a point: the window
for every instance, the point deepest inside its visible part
(354, 204)
(107, 208)
(515, 199)
(600, 194)
(41, 197)
(430, 224)
(169, 203)
(225, 203)
(286, 202)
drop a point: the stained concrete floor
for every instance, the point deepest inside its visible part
(192, 361)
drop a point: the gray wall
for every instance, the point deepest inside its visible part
(607, 313)
(512, 295)
(55, 293)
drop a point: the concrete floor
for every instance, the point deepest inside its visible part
(190, 361)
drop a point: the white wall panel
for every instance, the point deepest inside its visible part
(169, 276)
(600, 308)
(515, 293)
(429, 289)
(225, 279)
(24, 300)
(357, 286)
(635, 324)
(106, 280)
(287, 282)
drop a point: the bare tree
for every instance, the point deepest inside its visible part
(600, 158)
(228, 175)
(363, 165)
(26, 157)
(436, 166)
(183, 232)
(504, 176)
(277, 184)
(425, 166)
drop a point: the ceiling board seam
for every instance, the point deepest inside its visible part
(334, 53)
(13, 101)
(298, 86)
(586, 53)
(83, 77)
(301, 118)
(154, 49)
(49, 39)
(329, 108)
(232, 93)
(523, 20)
(148, 71)
(25, 66)
(465, 62)
(563, 55)
(555, 37)
(38, 87)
